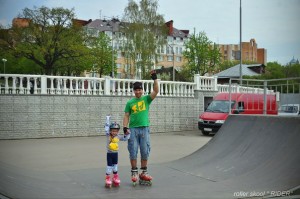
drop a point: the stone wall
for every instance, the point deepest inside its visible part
(45, 116)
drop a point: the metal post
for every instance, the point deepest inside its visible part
(173, 64)
(241, 74)
(173, 61)
(4, 60)
(265, 98)
(112, 49)
(229, 96)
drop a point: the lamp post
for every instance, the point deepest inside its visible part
(111, 25)
(173, 60)
(93, 72)
(241, 74)
(4, 60)
(173, 64)
(112, 51)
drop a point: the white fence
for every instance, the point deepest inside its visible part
(242, 89)
(68, 85)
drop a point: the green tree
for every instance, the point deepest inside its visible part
(101, 55)
(145, 31)
(273, 70)
(292, 70)
(202, 54)
(49, 38)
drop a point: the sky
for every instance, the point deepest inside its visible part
(274, 24)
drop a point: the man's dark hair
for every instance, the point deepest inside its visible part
(137, 85)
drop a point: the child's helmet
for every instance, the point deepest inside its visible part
(114, 125)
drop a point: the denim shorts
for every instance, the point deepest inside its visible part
(139, 137)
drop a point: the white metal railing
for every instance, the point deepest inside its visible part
(224, 88)
(69, 85)
(72, 85)
(177, 89)
(205, 83)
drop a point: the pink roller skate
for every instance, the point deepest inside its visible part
(145, 178)
(108, 181)
(134, 176)
(116, 180)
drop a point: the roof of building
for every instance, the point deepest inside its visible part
(179, 33)
(81, 22)
(234, 72)
(104, 25)
(107, 25)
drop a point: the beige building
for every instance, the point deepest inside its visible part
(168, 56)
(250, 52)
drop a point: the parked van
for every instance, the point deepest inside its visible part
(241, 103)
(289, 110)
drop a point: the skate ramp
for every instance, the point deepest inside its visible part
(249, 156)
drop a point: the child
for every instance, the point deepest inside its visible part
(113, 137)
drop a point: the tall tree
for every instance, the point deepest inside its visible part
(49, 37)
(145, 31)
(101, 54)
(202, 54)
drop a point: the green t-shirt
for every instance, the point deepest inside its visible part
(138, 109)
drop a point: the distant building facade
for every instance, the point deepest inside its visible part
(170, 55)
(250, 52)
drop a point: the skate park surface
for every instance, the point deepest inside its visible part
(250, 157)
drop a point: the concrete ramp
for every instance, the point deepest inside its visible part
(250, 153)
(251, 156)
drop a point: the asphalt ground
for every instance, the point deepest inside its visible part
(59, 154)
(250, 157)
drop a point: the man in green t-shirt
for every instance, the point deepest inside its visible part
(137, 116)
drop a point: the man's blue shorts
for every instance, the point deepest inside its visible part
(139, 137)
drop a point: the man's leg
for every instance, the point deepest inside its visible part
(133, 163)
(133, 148)
(144, 163)
(145, 151)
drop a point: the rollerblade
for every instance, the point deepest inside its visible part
(116, 180)
(134, 176)
(145, 178)
(108, 181)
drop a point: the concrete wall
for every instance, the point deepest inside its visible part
(44, 116)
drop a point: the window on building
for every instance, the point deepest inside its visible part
(180, 50)
(160, 58)
(169, 50)
(170, 58)
(178, 59)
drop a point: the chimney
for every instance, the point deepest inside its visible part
(170, 26)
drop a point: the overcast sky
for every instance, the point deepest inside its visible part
(274, 24)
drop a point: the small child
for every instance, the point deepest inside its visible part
(113, 137)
